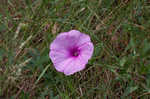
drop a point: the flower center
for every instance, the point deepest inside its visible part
(75, 52)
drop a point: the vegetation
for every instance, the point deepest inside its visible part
(119, 68)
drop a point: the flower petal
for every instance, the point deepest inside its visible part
(81, 38)
(58, 56)
(61, 66)
(74, 66)
(59, 42)
(74, 33)
(65, 40)
(86, 51)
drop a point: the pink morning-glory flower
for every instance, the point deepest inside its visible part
(70, 51)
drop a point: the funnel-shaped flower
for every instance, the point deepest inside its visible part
(70, 51)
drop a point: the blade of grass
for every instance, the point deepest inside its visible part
(43, 72)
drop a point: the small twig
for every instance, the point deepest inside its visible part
(147, 93)
(16, 97)
(137, 25)
(22, 45)
(81, 91)
(18, 30)
(25, 42)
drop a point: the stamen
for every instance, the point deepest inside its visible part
(74, 52)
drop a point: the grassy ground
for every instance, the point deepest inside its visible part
(119, 68)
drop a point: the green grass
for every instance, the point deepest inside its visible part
(119, 68)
